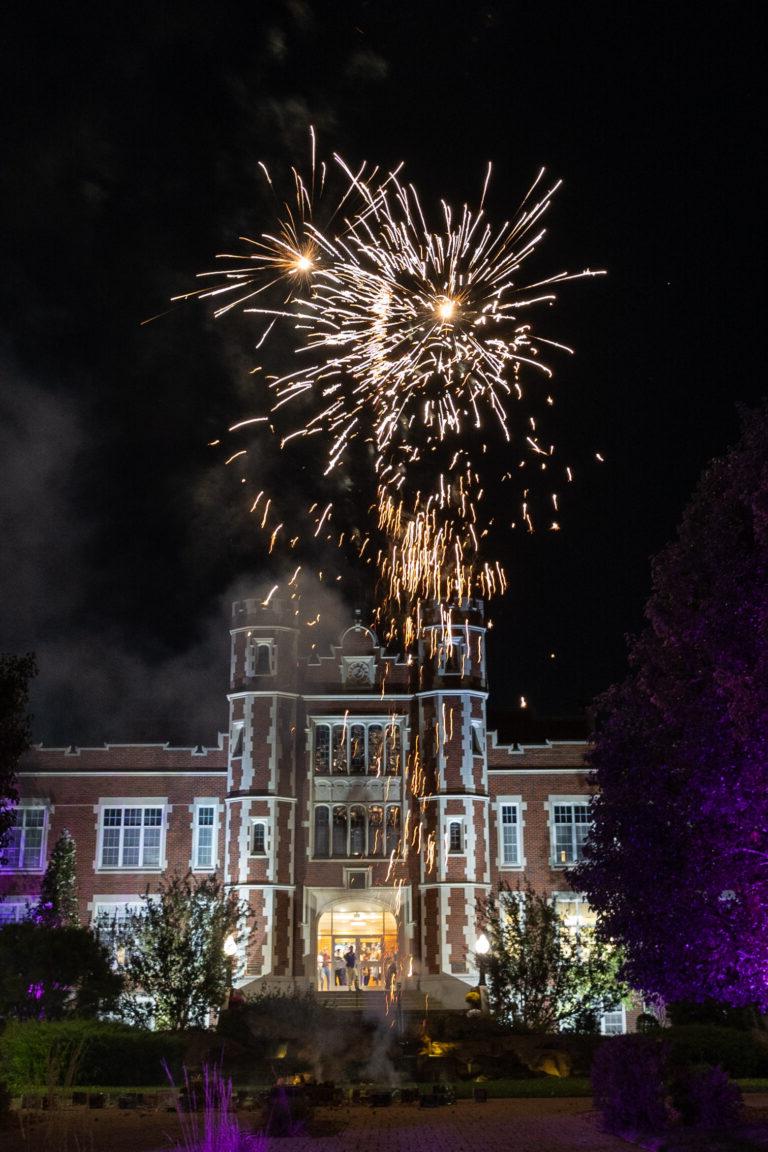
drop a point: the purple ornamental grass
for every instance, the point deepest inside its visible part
(220, 1129)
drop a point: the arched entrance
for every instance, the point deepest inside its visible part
(368, 928)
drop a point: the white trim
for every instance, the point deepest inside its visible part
(244, 694)
(259, 796)
(24, 904)
(198, 803)
(264, 822)
(125, 773)
(619, 1010)
(517, 803)
(461, 821)
(564, 800)
(122, 803)
(366, 699)
(28, 804)
(543, 772)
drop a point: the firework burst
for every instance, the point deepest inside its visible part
(416, 342)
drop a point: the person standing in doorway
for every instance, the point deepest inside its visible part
(350, 960)
(325, 971)
(339, 969)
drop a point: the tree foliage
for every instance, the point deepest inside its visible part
(543, 975)
(57, 905)
(175, 966)
(15, 675)
(49, 973)
(677, 864)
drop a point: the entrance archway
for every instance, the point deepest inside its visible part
(371, 930)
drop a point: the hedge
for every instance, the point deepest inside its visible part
(50, 1054)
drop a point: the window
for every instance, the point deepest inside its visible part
(478, 738)
(357, 749)
(204, 853)
(24, 848)
(455, 837)
(260, 657)
(236, 741)
(109, 917)
(14, 911)
(259, 838)
(574, 910)
(453, 659)
(509, 834)
(131, 837)
(570, 828)
(614, 1022)
(357, 878)
(356, 830)
(322, 837)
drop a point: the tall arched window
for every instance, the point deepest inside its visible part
(393, 828)
(375, 749)
(322, 830)
(263, 659)
(357, 748)
(322, 748)
(357, 830)
(393, 750)
(375, 830)
(339, 830)
(339, 748)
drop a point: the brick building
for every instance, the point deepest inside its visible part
(357, 798)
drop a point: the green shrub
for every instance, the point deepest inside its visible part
(48, 1054)
(712, 1012)
(738, 1053)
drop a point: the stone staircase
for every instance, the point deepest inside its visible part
(373, 1002)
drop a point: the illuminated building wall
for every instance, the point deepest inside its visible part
(354, 788)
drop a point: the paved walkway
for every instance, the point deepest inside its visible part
(496, 1126)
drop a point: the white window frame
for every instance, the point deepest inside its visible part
(478, 738)
(19, 811)
(133, 803)
(113, 908)
(460, 821)
(458, 653)
(580, 919)
(21, 905)
(199, 804)
(608, 1027)
(237, 740)
(366, 805)
(516, 803)
(265, 823)
(252, 656)
(574, 850)
(386, 723)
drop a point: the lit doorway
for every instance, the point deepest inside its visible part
(371, 931)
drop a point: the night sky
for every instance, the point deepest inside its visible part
(132, 140)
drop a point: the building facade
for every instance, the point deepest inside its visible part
(356, 799)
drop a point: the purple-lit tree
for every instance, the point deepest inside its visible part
(677, 865)
(49, 973)
(15, 674)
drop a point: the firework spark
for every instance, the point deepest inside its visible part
(415, 342)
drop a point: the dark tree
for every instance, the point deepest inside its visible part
(15, 675)
(677, 865)
(47, 973)
(57, 905)
(174, 960)
(545, 976)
